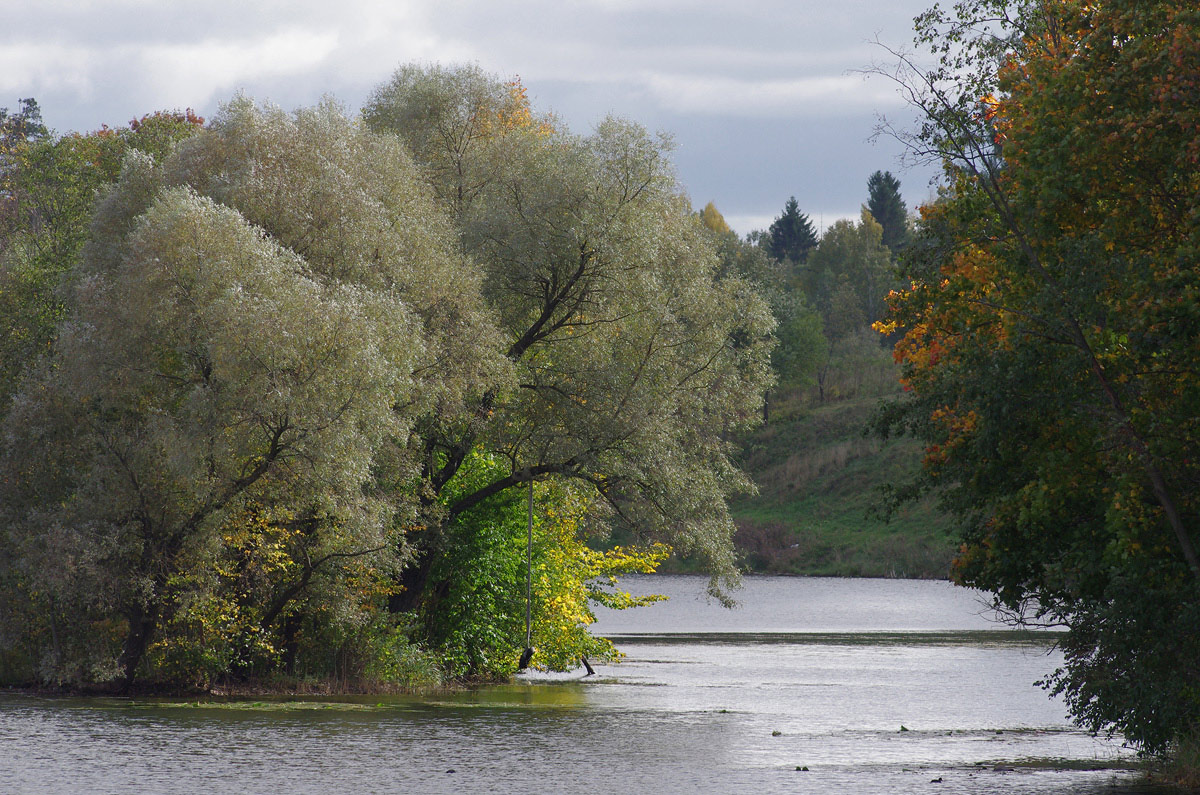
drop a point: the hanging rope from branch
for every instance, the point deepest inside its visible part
(527, 655)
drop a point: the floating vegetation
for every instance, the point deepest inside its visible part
(267, 706)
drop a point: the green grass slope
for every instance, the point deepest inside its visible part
(818, 478)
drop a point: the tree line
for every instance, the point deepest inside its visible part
(278, 385)
(825, 292)
(280, 388)
(276, 400)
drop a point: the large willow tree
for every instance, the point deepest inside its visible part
(634, 360)
(256, 327)
(304, 377)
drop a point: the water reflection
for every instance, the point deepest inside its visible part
(873, 686)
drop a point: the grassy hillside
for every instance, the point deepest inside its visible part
(818, 478)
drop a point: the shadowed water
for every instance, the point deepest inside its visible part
(876, 686)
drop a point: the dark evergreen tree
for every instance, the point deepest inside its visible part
(791, 236)
(888, 209)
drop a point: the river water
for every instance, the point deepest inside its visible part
(874, 686)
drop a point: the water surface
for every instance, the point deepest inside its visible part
(875, 686)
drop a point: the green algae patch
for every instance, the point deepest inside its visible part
(270, 706)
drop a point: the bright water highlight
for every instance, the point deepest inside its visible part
(875, 686)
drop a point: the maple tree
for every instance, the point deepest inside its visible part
(1051, 334)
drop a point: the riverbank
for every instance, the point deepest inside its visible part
(248, 690)
(1181, 767)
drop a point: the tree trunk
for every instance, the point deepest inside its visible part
(143, 621)
(291, 627)
(413, 580)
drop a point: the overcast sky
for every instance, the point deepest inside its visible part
(760, 95)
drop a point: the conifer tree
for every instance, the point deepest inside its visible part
(791, 236)
(888, 208)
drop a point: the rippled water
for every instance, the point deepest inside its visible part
(876, 686)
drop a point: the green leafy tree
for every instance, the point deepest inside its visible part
(276, 363)
(478, 624)
(258, 323)
(49, 185)
(803, 347)
(888, 209)
(1050, 336)
(847, 279)
(849, 275)
(748, 260)
(791, 236)
(800, 343)
(633, 358)
(450, 118)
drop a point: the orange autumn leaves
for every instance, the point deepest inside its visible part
(1086, 116)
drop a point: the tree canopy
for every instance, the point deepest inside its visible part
(633, 358)
(48, 187)
(1050, 335)
(250, 327)
(303, 374)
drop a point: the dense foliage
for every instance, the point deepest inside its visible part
(634, 355)
(48, 185)
(825, 293)
(298, 378)
(1051, 332)
(220, 359)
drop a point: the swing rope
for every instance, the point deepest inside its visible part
(527, 655)
(529, 569)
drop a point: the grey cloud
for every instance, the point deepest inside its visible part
(757, 92)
